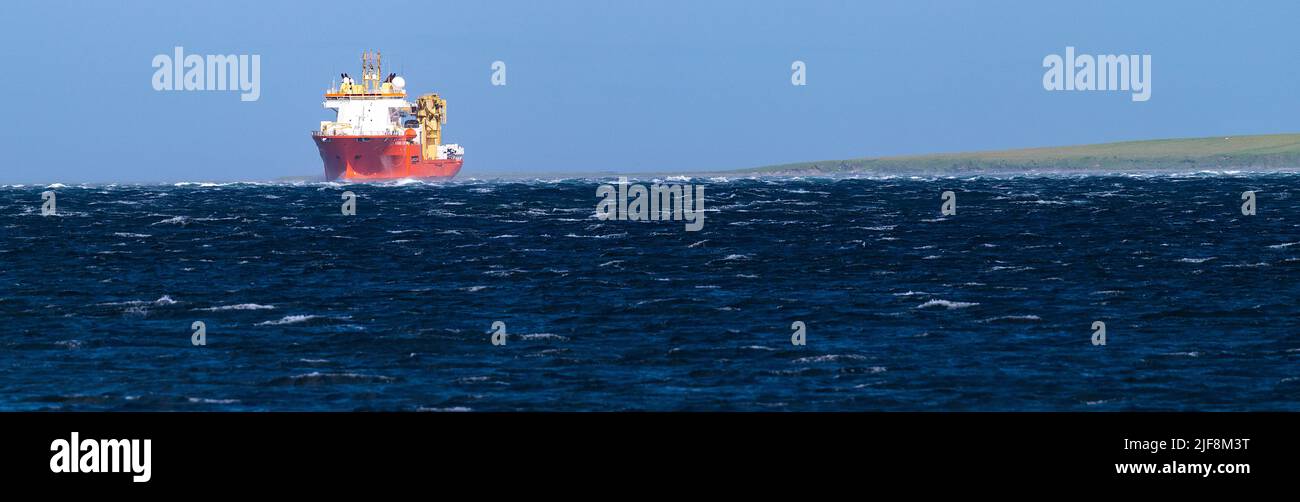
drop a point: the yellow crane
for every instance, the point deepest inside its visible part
(431, 110)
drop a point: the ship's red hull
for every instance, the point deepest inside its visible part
(379, 158)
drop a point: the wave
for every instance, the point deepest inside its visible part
(292, 319)
(829, 358)
(451, 409)
(1029, 317)
(204, 400)
(241, 306)
(543, 336)
(175, 220)
(318, 378)
(947, 304)
(162, 300)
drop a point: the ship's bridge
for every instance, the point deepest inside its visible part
(373, 106)
(367, 116)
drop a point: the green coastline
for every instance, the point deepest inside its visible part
(1272, 152)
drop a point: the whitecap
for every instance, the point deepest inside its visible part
(241, 306)
(829, 358)
(607, 236)
(289, 319)
(318, 377)
(205, 400)
(175, 220)
(543, 336)
(947, 304)
(1029, 317)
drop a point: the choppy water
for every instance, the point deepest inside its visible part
(991, 309)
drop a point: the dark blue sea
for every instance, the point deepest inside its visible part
(992, 308)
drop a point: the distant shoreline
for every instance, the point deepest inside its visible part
(1256, 153)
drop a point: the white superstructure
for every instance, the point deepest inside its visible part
(366, 116)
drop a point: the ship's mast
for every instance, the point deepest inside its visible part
(372, 71)
(366, 69)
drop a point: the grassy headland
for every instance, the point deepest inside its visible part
(1251, 153)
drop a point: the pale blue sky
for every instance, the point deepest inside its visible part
(630, 86)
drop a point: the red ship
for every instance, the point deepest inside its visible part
(377, 134)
